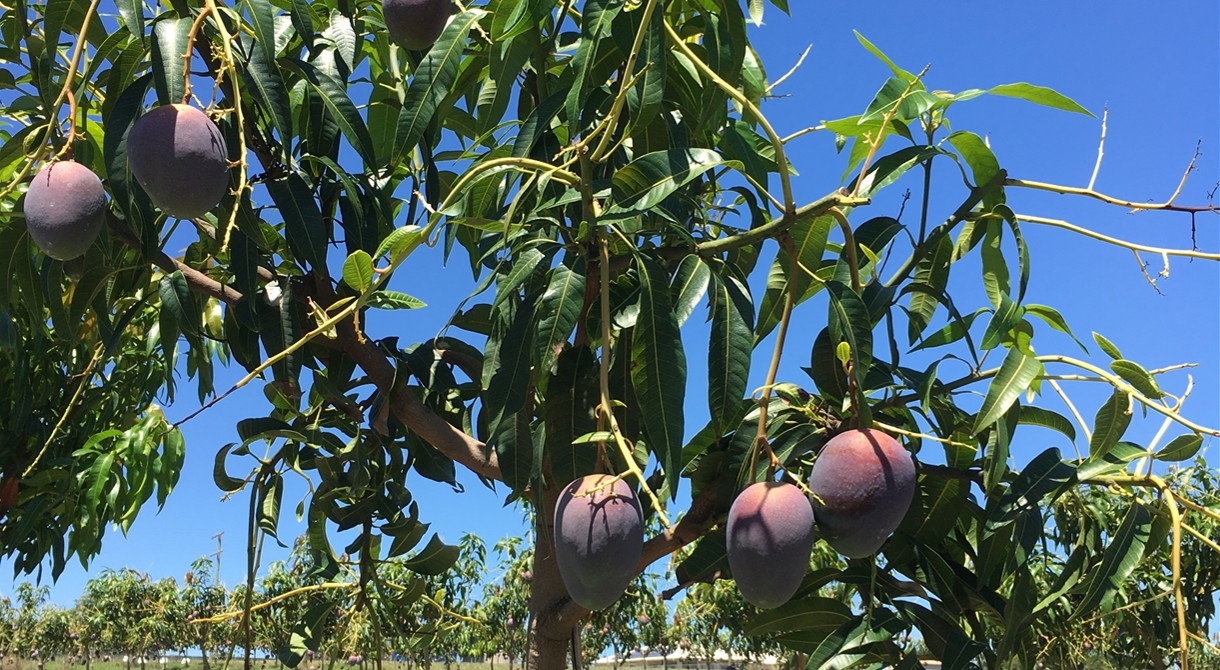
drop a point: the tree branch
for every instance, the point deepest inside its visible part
(412, 412)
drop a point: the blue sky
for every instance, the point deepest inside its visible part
(1157, 69)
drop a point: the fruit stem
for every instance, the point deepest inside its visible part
(781, 333)
(196, 25)
(605, 408)
(238, 117)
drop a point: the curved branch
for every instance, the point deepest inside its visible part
(1080, 230)
(412, 412)
(1167, 206)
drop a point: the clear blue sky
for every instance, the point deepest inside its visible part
(1157, 67)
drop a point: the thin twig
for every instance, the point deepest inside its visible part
(1144, 270)
(1185, 175)
(1101, 147)
(1058, 223)
(1088, 435)
(791, 71)
(1167, 206)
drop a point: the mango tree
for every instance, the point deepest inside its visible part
(608, 173)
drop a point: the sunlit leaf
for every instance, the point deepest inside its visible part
(1111, 422)
(1013, 378)
(1039, 95)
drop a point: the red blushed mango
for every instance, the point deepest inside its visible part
(865, 480)
(179, 157)
(64, 209)
(769, 538)
(599, 537)
(415, 24)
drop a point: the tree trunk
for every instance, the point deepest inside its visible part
(552, 619)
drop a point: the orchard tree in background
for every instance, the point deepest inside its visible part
(607, 172)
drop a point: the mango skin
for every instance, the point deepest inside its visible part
(866, 481)
(599, 538)
(769, 539)
(415, 25)
(180, 159)
(65, 208)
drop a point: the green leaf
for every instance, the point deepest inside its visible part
(596, 19)
(809, 236)
(400, 243)
(514, 445)
(262, 76)
(982, 162)
(689, 286)
(1181, 448)
(507, 365)
(1040, 95)
(387, 299)
(1110, 423)
(659, 374)
(1114, 461)
(333, 95)
(812, 613)
(434, 559)
(170, 36)
(995, 267)
(1118, 561)
(1007, 316)
(271, 496)
(849, 322)
(508, 57)
(304, 227)
(432, 82)
(1054, 319)
(645, 98)
(873, 49)
(1037, 416)
(1046, 474)
(306, 634)
(728, 356)
(646, 181)
(950, 332)
(262, 19)
(896, 101)
(516, 17)
(1014, 377)
(943, 637)
(570, 410)
(559, 307)
(1107, 346)
(177, 300)
(358, 270)
(756, 11)
(932, 271)
(1135, 374)
(223, 481)
(888, 169)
